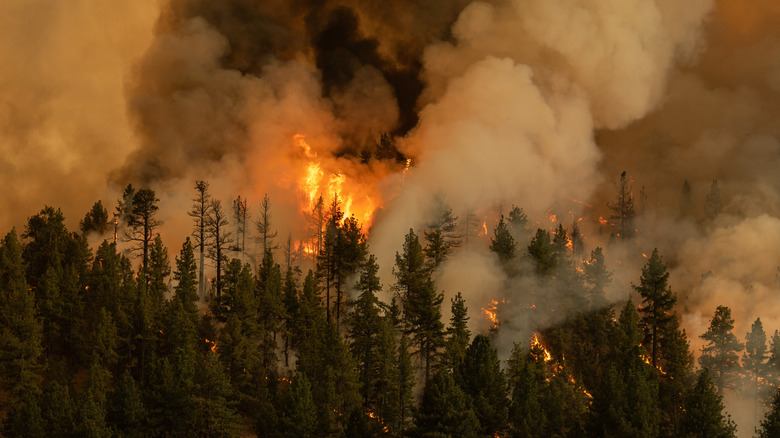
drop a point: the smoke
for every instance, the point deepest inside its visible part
(536, 103)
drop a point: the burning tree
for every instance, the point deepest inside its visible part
(623, 208)
(200, 211)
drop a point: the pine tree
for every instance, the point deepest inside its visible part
(597, 279)
(481, 378)
(703, 412)
(402, 400)
(518, 225)
(201, 209)
(773, 362)
(240, 216)
(24, 419)
(623, 208)
(421, 302)
(20, 330)
(219, 241)
(657, 305)
(299, 415)
(365, 325)
(445, 410)
(458, 333)
(95, 220)
(265, 233)
(212, 400)
(770, 425)
(754, 361)
(542, 253)
(143, 223)
(440, 237)
(126, 413)
(185, 275)
(719, 355)
(503, 244)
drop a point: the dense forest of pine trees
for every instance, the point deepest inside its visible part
(137, 342)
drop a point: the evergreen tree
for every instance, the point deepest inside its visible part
(364, 330)
(754, 361)
(657, 305)
(773, 362)
(480, 377)
(185, 275)
(440, 237)
(265, 233)
(542, 253)
(518, 225)
(421, 302)
(95, 220)
(240, 215)
(219, 241)
(623, 208)
(126, 413)
(58, 410)
(703, 413)
(458, 333)
(143, 223)
(402, 399)
(597, 279)
(445, 411)
(201, 209)
(212, 400)
(770, 425)
(20, 330)
(503, 244)
(299, 413)
(719, 355)
(24, 419)
(291, 312)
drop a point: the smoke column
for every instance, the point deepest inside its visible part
(536, 103)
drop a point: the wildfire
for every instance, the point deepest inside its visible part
(318, 181)
(538, 345)
(644, 255)
(484, 228)
(603, 221)
(213, 345)
(491, 311)
(406, 167)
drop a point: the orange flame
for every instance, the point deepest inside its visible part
(536, 344)
(491, 311)
(213, 345)
(603, 221)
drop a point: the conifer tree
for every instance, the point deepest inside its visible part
(143, 223)
(445, 410)
(212, 400)
(185, 275)
(719, 355)
(542, 253)
(20, 330)
(712, 203)
(299, 414)
(458, 333)
(126, 412)
(703, 413)
(657, 305)
(240, 216)
(597, 279)
(754, 361)
(773, 362)
(441, 237)
(518, 225)
(201, 208)
(623, 208)
(219, 241)
(402, 399)
(364, 330)
(503, 244)
(24, 419)
(421, 302)
(95, 220)
(481, 378)
(265, 232)
(770, 425)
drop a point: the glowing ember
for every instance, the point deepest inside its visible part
(406, 167)
(213, 345)
(644, 255)
(603, 221)
(484, 227)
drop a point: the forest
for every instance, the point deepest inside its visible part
(125, 340)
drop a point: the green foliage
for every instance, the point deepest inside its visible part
(458, 333)
(24, 419)
(299, 414)
(703, 414)
(542, 253)
(95, 220)
(126, 413)
(441, 238)
(445, 410)
(481, 378)
(503, 244)
(20, 330)
(770, 425)
(719, 355)
(657, 306)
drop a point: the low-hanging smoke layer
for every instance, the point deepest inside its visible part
(536, 103)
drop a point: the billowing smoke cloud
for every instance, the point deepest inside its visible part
(528, 102)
